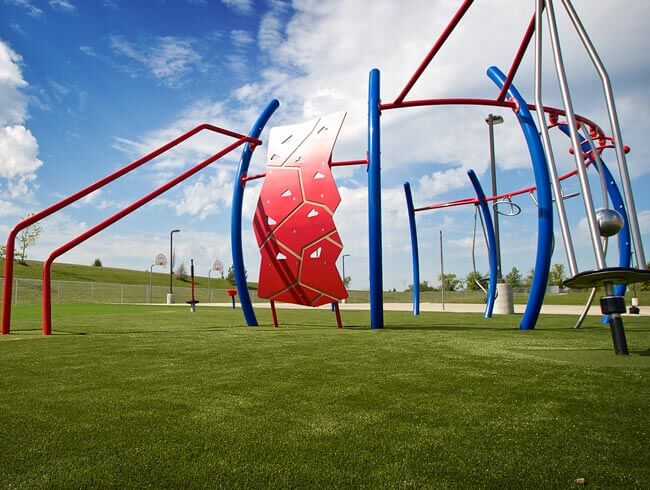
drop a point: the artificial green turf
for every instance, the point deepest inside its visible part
(129, 396)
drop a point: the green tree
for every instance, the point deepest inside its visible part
(28, 237)
(3, 252)
(450, 282)
(528, 281)
(514, 278)
(181, 272)
(346, 281)
(472, 279)
(230, 277)
(97, 263)
(556, 275)
(424, 286)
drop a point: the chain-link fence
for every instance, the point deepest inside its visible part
(29, 291)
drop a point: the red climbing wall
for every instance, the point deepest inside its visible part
(294, 219)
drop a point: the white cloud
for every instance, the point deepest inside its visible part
(18, 147)
(168, 59)
(29, 7)
(241, 38)
(240, 6)
(13, 102)
(207, 196)
(63, 5)
(18, 160)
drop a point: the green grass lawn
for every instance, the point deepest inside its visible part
(135, 396)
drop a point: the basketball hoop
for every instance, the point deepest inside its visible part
(217, 266)
(160, 260)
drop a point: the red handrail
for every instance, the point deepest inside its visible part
(47, 265)
(30, 220)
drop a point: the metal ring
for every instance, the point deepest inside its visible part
(515, 209)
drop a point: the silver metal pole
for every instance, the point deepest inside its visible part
(616, 134)
(442, 275)
(546, 143)
(491, 120)
(594, 230)
(599, 165)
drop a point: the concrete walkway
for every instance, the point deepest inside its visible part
(575, 310)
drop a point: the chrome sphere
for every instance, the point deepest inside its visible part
(610, 222)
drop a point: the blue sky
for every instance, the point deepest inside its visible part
(86, 87)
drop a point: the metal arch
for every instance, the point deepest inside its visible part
(545, 210)
(492, 251)
(236, 216)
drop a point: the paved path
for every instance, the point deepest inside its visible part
(449, 307)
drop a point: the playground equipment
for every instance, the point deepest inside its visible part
(285, 272)
(602, 223)
(47, 302)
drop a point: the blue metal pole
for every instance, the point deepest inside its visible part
(492, 243)
(414, 248)
(236, 216)
(544, 201)
(374, 204)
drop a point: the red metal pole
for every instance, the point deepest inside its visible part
(346, 163)
(517, 60)
(47, 306)
(447, 101)
(339, 324)
(30, 220)
(434, 50)
(274, 314)
(192, 274)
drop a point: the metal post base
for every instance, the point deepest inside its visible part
(170, 298)
(614, 306)
(618, 335)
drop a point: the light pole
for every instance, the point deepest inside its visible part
(491, 120)
(170, 296)
(344, 285)
(503, 304)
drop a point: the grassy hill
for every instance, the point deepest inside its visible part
(32, 269)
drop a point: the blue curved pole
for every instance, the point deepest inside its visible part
(544, 201)
(492, 242)
(236, 216)
(374, 204)
(414, 248)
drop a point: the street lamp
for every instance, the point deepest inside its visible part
(170, 296)
(491, 120)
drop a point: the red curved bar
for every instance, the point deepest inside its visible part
(30, 220)
(434, 50)
(47, 266)
(518, 57)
